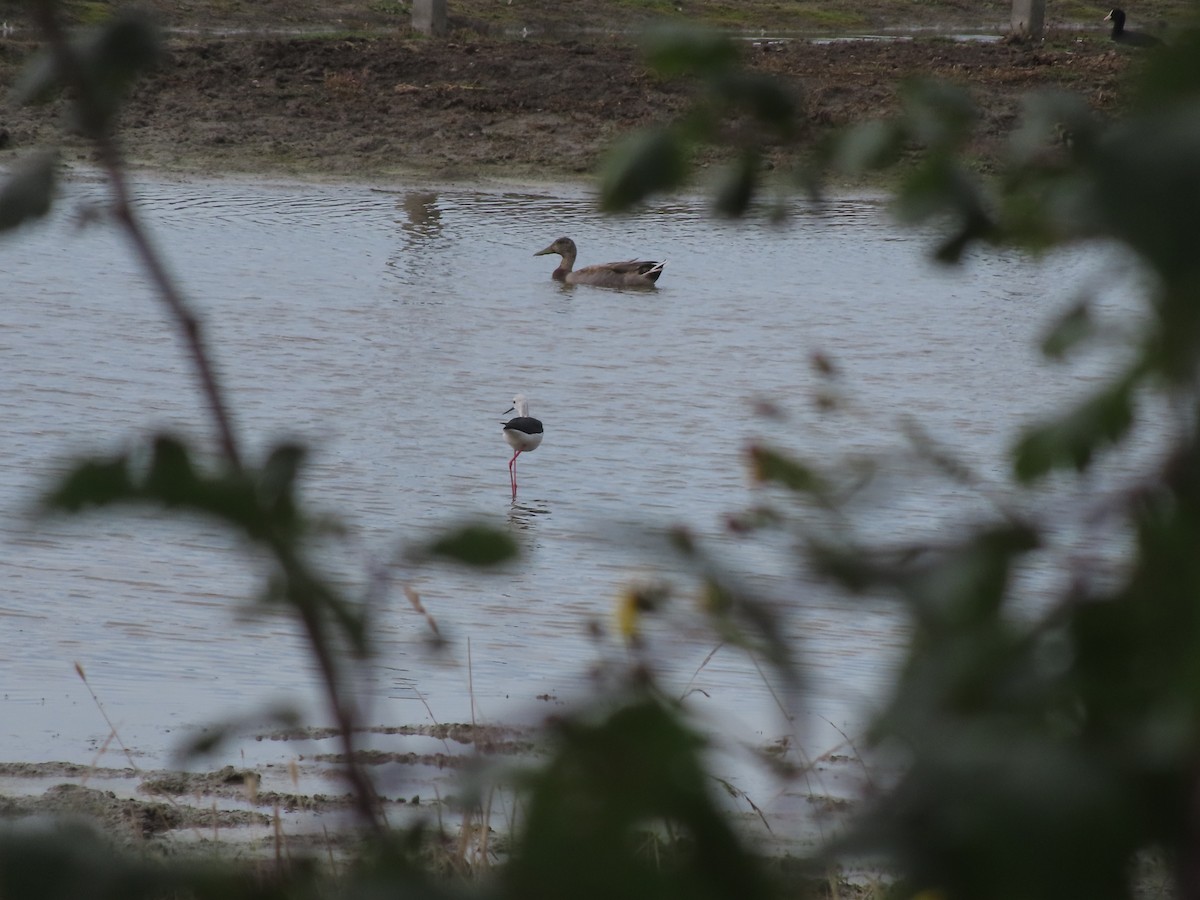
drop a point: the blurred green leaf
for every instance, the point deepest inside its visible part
(109, 58)
(993, 810)
(682, 541)
(1172, 73)
(849, 566)
(215, 734)
(1074, 326)
(868, 145)
(975, 227)
(277, 482)
(938, 186)
(964, 587)
(66, 860)
(1050, 119)
(1148, 191)
(745, 620)
(937, 115)
(736, 187)
(715, 600)
(93, 483)
(258, 503)
(475, 545)
(232, 497)
(643, 164)
(1071, 441)
(37, 81)
(171, 478)
(609, 787)
(677, 50)
(28, 191)
(770, 465)
(762, 96)
(123, 48)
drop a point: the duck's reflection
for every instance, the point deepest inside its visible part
(420, 227)
(423, 218)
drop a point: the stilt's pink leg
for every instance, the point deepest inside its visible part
(512, 473)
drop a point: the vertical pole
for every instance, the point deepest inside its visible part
(429, 16)
(1028, 19)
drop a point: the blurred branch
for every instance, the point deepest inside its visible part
(96, 76)
(74, 76)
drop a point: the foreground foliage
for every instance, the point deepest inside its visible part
(1046, 746)
(1045, 752)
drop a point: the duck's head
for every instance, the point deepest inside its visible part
(1116, 16)
(564, 246)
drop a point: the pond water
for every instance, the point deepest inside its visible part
(389, 330)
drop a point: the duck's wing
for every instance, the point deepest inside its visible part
(641, 267)
(645, 271)
(630, 273)
(651, 270)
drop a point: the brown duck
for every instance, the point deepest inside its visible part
(633, 273)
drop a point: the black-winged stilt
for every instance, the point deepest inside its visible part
(523, 433)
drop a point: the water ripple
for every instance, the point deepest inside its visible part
(389, 329)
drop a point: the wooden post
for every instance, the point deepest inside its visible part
(429, 16)
(1028, 19)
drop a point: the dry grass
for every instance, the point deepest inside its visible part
(347, 85)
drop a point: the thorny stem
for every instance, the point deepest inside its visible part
(110, 160)
(188, 323)
(303, 589)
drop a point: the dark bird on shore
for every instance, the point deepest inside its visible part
(1132, 38)
(637, 273)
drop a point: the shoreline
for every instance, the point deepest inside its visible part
(507, 111)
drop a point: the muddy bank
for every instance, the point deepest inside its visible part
(302, 807)
(253, 811)
(474, 105)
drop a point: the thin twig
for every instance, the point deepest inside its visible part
(687, 687)
(113, 734)
(72, 73)
(303, 590)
